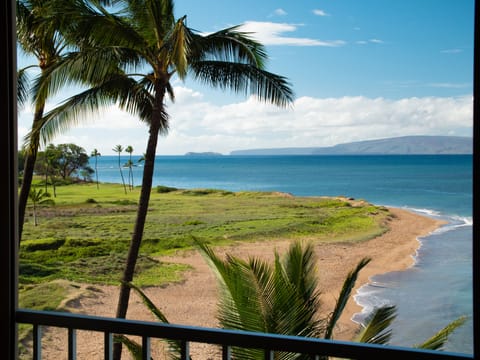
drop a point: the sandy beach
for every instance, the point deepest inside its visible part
(194, 301)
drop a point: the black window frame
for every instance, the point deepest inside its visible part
(9, 184)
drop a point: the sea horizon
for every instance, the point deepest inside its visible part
(438, 186)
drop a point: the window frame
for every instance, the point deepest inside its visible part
(9, 190)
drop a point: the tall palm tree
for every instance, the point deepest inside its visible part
(95, 153)
(129, 150)
(41, 39)
(118, 149)
(131, 56)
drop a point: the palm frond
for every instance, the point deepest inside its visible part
(175, 346)
(153, 19)
(228, 45)
(375, 330)
(300, 265)
(437, 341)
(244, 78)
(239, 303)
(121, 90)
(133, 347)
(89, 24)
(22, 87)
(347, 288)
(87, 67)
(149, 304)
(175, 48)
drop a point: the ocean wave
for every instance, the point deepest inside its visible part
(455, 222)
(428, 212)
(367, 298)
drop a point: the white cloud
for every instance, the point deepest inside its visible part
(200, 125)
(451, 85)
(319, 12)
(270, 33)
(280, 12)
(451, 51)
(370, 41)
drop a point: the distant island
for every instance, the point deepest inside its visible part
(405, 145)
(208, 153)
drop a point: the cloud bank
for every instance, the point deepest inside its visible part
(199, 125)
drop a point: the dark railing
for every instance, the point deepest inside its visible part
(227, 339)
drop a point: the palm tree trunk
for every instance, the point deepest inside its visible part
(25, 189)
(137, 235)
(121, 174)
(28, 170)
(96, 171)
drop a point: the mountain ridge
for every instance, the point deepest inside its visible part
(403, 145)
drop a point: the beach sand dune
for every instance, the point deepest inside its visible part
(194, 301)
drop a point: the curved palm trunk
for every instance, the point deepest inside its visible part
(137, 235)
(28, 170)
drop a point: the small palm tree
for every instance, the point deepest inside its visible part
(118, 149)
(283, 298)
(38, 197)
(96, 154)
(129, 164)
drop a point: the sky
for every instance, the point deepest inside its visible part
(360, 70)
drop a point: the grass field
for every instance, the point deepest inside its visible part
(84, 237)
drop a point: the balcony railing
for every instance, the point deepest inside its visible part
(227, 339)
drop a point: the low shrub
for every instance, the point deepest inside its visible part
(165, 189)
(41, 244)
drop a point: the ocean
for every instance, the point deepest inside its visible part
(429, 295)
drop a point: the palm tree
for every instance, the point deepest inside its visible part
(41, 39)
(38, 197)
(118, 149)
(283, 298)
(145, 36)
(129, 150)
(96, 154)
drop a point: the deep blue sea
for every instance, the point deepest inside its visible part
(435, 291)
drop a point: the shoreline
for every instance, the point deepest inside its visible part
(400, 259)
(194, 301)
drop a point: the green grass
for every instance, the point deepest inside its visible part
(84, 237)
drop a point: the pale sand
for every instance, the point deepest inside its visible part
(194, 301)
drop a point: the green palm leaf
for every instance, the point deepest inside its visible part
(347, 288)
(438, 340)
(375, 330)
(133, 347)
(244, 78)
(174, 345)
(228, 45)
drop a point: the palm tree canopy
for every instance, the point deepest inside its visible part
(281, 298)
(95, 153)
(129, 57)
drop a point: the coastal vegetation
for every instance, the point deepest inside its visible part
(84, 236)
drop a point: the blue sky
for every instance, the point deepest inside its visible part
(360, 70)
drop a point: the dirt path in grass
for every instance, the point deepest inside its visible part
(193, 302)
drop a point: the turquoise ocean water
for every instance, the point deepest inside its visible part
(435, 291)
